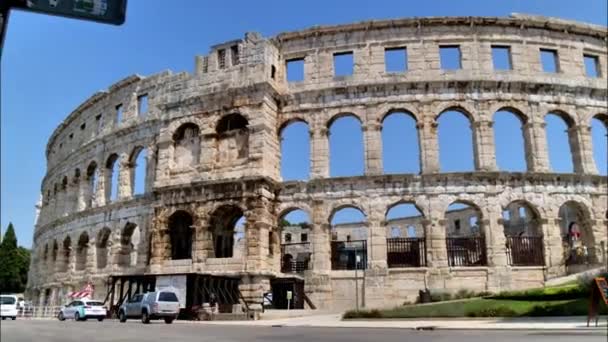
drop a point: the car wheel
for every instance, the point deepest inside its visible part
(100, 319)
(60, 316)
(169, 320)
(14, 318)
(3, 318)
(76, 317)
(122, 317)
(145, 318)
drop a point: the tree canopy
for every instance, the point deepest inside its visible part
(14, 263)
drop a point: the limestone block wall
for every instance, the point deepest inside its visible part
(212, 148)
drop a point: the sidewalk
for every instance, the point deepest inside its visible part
(335, 321)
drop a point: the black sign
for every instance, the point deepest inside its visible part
(104, 11)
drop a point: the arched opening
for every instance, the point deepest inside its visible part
(400, 149)
(295, 232)
(186, 146)
(129, 245)
(180, 231)
(455, 141)
(346, 153)
(228, 231)
(54, 252)
(558, 142)
(82, 250)
(509, 141)
(101, 244)
(138, 166)
(524, 236)
(405, 240)
(599, 137)
(67, 251)
(577, 235)
(45, 252)
(295, 151)
(464, 235)
(91, 184)
(348, 239)
(112, 173)
(232, 138)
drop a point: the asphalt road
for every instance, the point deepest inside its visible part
(93, 331)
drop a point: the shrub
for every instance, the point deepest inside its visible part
(499, 311)
(362, 314)
(549, 293)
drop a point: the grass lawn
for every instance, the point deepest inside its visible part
(478, 307)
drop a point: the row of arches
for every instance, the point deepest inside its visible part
(57, 255)
(401, 148)
(85, 192)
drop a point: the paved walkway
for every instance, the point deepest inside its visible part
(334, 320)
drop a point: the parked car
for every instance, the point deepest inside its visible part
(151, 305)
(8, 306)
(82, 309)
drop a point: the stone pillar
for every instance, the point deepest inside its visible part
(436, 248)
(72, 259)
(90, 264)
(99, 198)
(321, 237)
(82, 193)
(537, 157)
(483, 146)
(372, 138)
(253, 288)
(125, 188)
(494, 235)
(429, 145)
(319, 159)
(377, 244)
(581, 143)
(553, 247)
(72, 198)
(60, 261)
(60, 203)
(259, 222)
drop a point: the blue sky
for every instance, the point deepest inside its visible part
(50, 65)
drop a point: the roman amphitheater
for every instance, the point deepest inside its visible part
(207, 148)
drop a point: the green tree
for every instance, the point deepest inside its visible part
(14, 263)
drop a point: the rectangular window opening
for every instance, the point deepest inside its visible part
(395, 59)
(295, 70)
(83, 126)
(221, 58)
(592, 66)
(234, 52)
(450, 57)
(71, 136)
(501, 57)
(142, 104)
(343, 64)
(205, 64)
(304, 237)
(456, 224)
(99, 123)
(119, 113)
(549, 61)
(273, 71)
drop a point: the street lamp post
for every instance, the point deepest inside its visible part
(357, 260)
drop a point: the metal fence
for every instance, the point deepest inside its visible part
(38, 312)
(469, 251)
(294, 266)
(344, 255)
(525, 250)
(406, 252)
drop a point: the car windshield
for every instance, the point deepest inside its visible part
(167, 297)
(95, 303)
(7, 300)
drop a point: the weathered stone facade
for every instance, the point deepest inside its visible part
(212, 144)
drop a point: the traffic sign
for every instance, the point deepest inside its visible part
(104, 11)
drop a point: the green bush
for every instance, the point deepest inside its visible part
(362, 314)
(543, 294)
(499, 311)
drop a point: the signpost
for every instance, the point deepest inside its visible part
(289, 297)
(599, 292)
(357, 260)
(102, 11)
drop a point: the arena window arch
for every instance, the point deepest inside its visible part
(455, 138)
(559, 138)
(137, 171)
(186, 145)
(509, 142)
(346, 152)
(400, 146)
(464, 235)
(232, 138)
(228, 232)
(91, 184)
(405, 233)
(102, 249)
(67, 251)
(296, 251)
(82, 250)
(111, 177)
(599, 136)
(524, 236)
(129, 245)
(180, 233)
(577, 235)
(349, 239)
(295, 150)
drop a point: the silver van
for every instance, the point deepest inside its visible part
(151, 305)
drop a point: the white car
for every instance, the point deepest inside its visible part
(81, 309)
(8, 306)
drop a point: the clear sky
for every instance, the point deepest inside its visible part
(50, 65)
